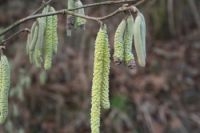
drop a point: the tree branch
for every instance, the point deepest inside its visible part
(65, 11)
(106, 3)
(15, 34)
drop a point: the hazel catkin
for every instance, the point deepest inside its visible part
(4, 87)
(100, 81)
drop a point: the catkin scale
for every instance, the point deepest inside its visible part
(4, 87)
(139, 39)
(119, 42)
(100, 91)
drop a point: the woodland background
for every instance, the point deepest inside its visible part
(163, 97)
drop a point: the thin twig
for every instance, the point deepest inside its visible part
(106, 3)
(65, 11)
(41, 7)
(13, 35)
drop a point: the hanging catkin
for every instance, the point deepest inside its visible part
(33, 36)
(119, 43)
(38, 51)
(139, 39)
(55, 32)
(49, 42)
(128, 41)
(4, 87)
(100, 78)
(79, 22)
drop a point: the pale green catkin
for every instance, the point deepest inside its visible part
(48, 46)
(128, 40)
(119, 42)
(100, 78)
(38, 51)
(105, 102)
(55, 32)
(79, 21)
(28, 42)
(4, 87)
(34, 36)
(71, 4)
(139, 39)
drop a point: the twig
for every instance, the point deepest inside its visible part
(65, 11)
(13, 35)
(41, 7)
(106, 3)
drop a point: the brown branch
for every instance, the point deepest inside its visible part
(14, 35)
(65, 11)
(106, 3)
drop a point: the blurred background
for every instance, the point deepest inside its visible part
(163, 97)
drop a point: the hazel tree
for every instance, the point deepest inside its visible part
(42, 44)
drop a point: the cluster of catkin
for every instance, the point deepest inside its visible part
(4, 87)
(43, 40)
(127, 31)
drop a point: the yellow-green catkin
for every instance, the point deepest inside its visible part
(55, 32)
(139, 39)
(79, 21)
(48, 40)
(119, 42)
(100, 78)
(105, 102)
(128, 40)
(4, 87)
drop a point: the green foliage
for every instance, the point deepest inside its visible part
(119, 102)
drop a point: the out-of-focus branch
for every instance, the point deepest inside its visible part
(13, 35)
(65, 11)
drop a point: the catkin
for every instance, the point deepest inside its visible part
(71, 4)
(48, 46)
(34, 36)
(128, 40)
(55, 32)
(4, 87)
(79, 21)
(38, 51)
(100, 78)
(119, 42)
(139, 39)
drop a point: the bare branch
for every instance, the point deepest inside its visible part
(106, 3)
(65, 11)
(13, 35)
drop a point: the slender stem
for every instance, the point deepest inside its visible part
(13, 35)
(41, 7)
(105, 3)
(65, 11)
